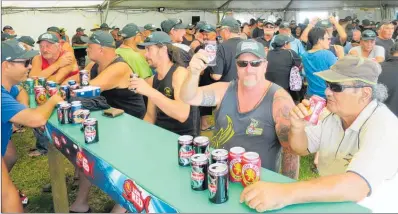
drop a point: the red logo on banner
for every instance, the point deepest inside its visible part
(133, 195)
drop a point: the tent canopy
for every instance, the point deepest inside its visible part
(206, 4)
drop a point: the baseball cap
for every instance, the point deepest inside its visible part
(324, 24)
(348, 18)
(104, 26)
(281, 40)
(12, 49)
(158, 37)
(365, 22)
(49, 37)
(7, 27)
(207, 28)
(79, 29)
(368, 35)
(260, 20)
(130, 30)
(351, 68)
(190, 26)
(372, 23)
(100, 38)
(115, 27)
(269, 23)
(293, 22)
(151, 27)
(229, 21)
(200, 24)
(54, 29)
(250, 46)
(27, 40)
(6, 36)
(284, 25)
(169, 24)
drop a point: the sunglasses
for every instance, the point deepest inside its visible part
(335, 87)
(25, 62)
(254, 63)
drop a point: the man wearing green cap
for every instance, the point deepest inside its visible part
(198, 41)
(27, 41)
(357, 143)
(225, 69)
(131, 53)
(245, 106)
(54, 63)
(111, 73)
(15, 65)
(175, 28)
(149, 28)
(57, 32)
(6, 36)
(368, 47)
(165, 108)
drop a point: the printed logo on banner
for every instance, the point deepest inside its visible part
(134, 195)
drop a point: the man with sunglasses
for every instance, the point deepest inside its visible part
(357, 143)
(15, 64)
(368, 47)
(269, 31)
(252, 112)
(385, 37)
(225, 68)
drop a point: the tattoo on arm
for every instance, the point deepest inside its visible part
(290, 164)
(209, 98)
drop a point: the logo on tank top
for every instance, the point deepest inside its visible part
(167, 92)
(253, 129)
(223, 135)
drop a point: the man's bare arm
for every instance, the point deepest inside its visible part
(23, 96)
(282, 105)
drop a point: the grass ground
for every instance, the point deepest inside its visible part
(30, 174)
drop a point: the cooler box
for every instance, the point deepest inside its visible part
(88, 91)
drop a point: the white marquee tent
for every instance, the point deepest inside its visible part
(33, 17)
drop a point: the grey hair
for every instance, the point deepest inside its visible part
(234, 29)
(379, 91)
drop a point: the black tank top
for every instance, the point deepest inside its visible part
(122, 98)
(185, 41)
(191, 125)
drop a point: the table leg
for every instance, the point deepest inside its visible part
(58, 185)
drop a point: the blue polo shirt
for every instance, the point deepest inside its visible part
(315, 62)
(295, 45)
(9, 108)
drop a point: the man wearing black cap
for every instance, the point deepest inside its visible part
(389, 77)
(54, 63)
(8, 29)
(296, 45)
(258, 31)
(15, 65)
(269, 31)
(225, 69)
(149, 28)
(385, 37)
(368, 48)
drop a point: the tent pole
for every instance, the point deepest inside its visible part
(106, 12)
(284, 9)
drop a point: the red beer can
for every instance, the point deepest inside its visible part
(251, 165)
(317, 104)
(235, 164)
(40, 95)
(52, 91)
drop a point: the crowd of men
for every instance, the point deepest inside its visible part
(248, 89)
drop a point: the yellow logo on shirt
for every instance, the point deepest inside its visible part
(167, 92)
(223, 135)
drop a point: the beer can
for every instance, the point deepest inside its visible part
(219, 156)
(52, 91)
(63, 113)
(50, 84)
(218, 183)
(134, 76)
(317, 104)
(42, 81)
(211, 49)
(251, 166)
(201, 145)
(40, 95)
(29, 86)
(200, 164)
(75, 113)
(85, 114)
(91, 134)
(72, 85)
(61, 103)
(84, 78)
(35, 80)
(235, 163)
(185, 150)
(64, 92)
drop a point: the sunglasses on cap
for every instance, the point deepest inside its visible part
(25, 62)
(254, 63)
(336, 87)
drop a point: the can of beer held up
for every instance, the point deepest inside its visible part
(317, 104)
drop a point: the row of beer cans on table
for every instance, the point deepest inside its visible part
(213, 170)
(73, 113)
